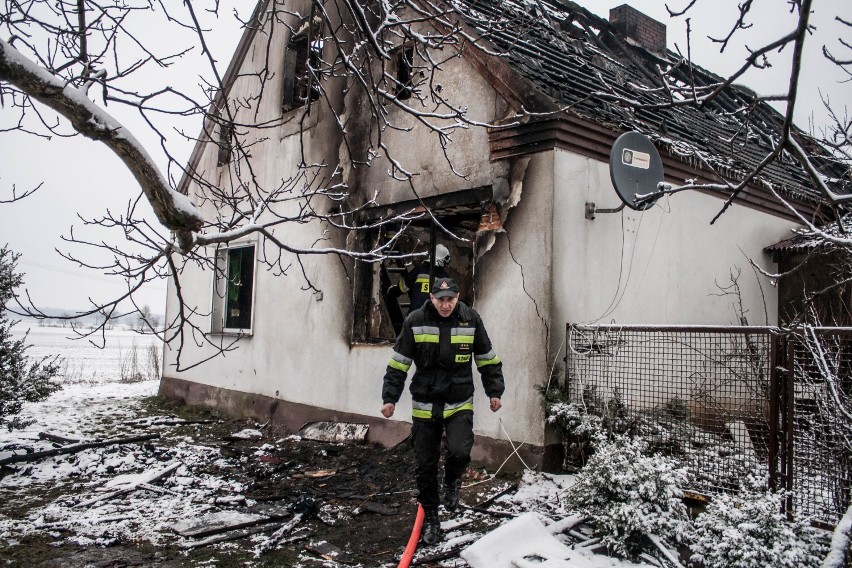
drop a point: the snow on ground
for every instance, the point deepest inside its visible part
(90, 360)
(94, 404)
(136, 516)
(81, 411)
(106, 410)
(541, 494)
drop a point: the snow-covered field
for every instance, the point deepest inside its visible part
(95, 402)
(95, 360)
(94, 396)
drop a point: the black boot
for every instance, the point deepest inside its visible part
(431, 527)
(451, 495)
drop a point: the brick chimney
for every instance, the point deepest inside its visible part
(632, 24)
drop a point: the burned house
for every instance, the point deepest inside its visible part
(519, 196)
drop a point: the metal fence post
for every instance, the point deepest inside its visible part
(789, 401)
(567, 356)
(774, 406)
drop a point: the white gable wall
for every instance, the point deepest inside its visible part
(299, 346)
(300, 349)
(514, 299)
(462, 163)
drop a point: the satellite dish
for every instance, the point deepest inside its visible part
(635, 168)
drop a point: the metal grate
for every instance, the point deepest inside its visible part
(712, 398)
(821, 474)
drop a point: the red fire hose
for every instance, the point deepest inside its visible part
(412, 540)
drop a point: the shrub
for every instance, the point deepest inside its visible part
(581, 423)
(748, 530)
(574, 419)
(21, 380)
(628, 494)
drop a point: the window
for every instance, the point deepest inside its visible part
(233, 289)
(380, 303)
(301, 68)
(226, 135)
(378, 307)
(404, 72)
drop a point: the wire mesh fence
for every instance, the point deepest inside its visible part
(724, 402)
(820, 464)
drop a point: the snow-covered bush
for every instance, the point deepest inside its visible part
(628, 494)
(573, 418)
(748, 530)
(582, 422)
(739, 465)
(21, 379)
(589, 416)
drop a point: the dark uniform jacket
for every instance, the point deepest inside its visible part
(443, 350)
(416, 284)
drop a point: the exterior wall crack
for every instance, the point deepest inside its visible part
(530, 296)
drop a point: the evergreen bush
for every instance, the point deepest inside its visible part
(628, 494)
(748, 530)
(21, 380)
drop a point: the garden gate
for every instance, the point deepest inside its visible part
(728, 402)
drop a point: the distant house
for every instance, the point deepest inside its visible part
(533, 251)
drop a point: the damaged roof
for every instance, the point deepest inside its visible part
(574, 56)
(806, 240)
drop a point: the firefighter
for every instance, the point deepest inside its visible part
(443, 338)
(416, 281)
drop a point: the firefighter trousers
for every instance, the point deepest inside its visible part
(426, 437)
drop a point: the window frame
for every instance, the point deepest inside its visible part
(404, 72)
(372, 317)
(462, 212)
(220, 301)
(302, 59)
(225, 144)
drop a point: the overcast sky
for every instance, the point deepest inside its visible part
(82, 177)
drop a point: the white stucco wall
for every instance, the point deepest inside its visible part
(514, 299)
(299, 345)
(299, 349)
(659, 266)
(461, 162)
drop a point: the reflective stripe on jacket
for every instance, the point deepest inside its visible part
(444, 351)
(425, 409)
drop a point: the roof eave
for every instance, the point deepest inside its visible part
(594, 140)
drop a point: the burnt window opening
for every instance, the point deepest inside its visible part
(233, 289)
(468, 214)
(225, 143)
(404, 72)
(382, 299)
(302, 63)
(381, 304)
